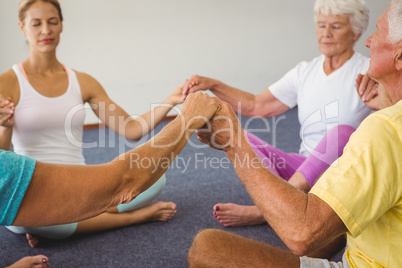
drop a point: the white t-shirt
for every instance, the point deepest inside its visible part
(324, 101)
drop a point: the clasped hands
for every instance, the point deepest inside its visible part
(216, 123)
(7, 108)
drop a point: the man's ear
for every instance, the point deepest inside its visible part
(398, 59)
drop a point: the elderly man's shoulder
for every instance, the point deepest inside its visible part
(392, 113)
(390, 117)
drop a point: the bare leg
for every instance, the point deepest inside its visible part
(238, 215)
(38, 261)
(216, 248)
(159, 211)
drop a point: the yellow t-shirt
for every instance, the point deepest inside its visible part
(365, 190)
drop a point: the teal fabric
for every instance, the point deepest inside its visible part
(15, 175)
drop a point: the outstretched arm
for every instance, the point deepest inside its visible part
(242, 102)
(303, 221)
(62, 193)
(116, 118)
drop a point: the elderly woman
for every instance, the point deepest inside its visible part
(323, 89)
(40, 94)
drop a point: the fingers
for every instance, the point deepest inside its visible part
(185, 90)
(366, 87)
(358, 83)
(370, 94)
(6, 111)
(188, 85)
(198, 109)
(195, 86)
(361, 83)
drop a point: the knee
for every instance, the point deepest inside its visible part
(346, 129)
(202, 247)
(338, 137)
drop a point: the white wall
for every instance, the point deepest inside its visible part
(140, 50)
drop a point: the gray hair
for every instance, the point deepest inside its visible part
(395, 22)
(356, 10)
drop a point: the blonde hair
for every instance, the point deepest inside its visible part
(356, 10)
(26, 4)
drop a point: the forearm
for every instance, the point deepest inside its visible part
(149, 161)
(290, 212)
(142, 125)
(61, 194)
(242, 102)
(5, 138)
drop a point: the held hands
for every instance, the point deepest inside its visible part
(177, 96)
(197, 83)
(198, 109)
(371, 93)
(223, 131)
(7, 108)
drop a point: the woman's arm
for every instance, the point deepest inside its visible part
(8, 98)
(114, 117)
(65, 193)
(242, 102)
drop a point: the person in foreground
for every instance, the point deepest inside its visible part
(35, 193)
(361, 197)
(329, 109)
(46, 103)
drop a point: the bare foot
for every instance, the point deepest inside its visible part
(38, 261)
(159, 211)
(230, 214)
(33, 241)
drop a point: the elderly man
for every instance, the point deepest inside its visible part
(362, 197)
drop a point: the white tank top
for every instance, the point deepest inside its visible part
(49, 129)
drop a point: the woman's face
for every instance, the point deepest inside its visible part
(42, 27)
(335, 35)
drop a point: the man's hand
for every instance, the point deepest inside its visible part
(223, 130)
(198, 109)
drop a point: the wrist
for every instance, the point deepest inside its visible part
(216, 85)
(239, 144)
(172, 100)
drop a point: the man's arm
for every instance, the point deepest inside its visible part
(64, 193)
(303, 221)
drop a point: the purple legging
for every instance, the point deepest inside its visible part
(285, 165)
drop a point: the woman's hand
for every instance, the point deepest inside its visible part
(7, 108)
(177, 97)
(197, 83)
(371, 93)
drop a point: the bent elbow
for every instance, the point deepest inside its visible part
(299, 250)
(299, 245)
